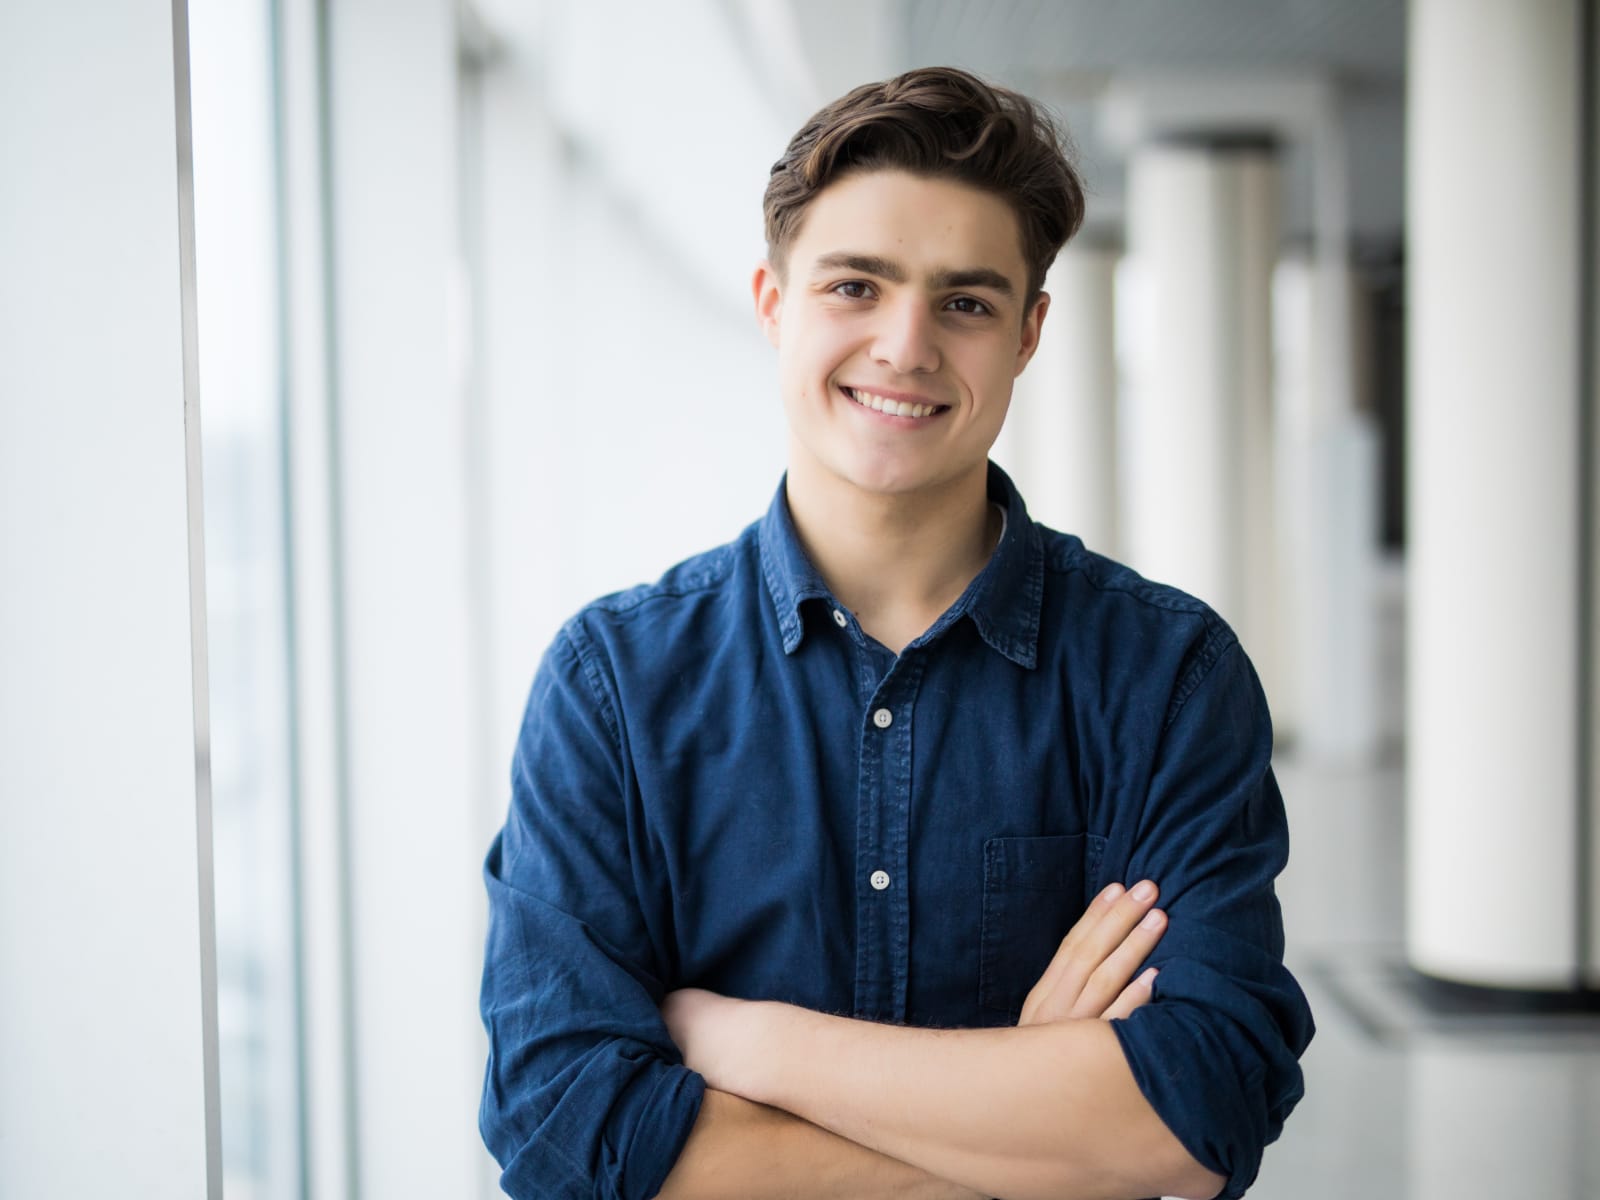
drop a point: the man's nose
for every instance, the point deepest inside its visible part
(907, 338)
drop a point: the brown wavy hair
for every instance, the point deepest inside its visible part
(938, 122)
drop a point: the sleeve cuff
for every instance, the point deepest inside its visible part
(1215, 1077)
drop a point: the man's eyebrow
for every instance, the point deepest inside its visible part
(867, 264)
(983, 277)
(886, 268)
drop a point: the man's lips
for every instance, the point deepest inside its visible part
(893, 405)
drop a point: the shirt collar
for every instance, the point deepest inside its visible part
(1004, 600)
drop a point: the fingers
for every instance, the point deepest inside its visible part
(1135, 994)
(1050, 983)
(1098, 958)
(1107, 980)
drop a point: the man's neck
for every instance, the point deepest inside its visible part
(896, 561)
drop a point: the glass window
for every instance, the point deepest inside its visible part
(241, 390)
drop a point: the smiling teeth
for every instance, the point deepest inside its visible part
(895, 408)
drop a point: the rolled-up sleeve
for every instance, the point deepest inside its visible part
(585, 1094)
(1217, 1051)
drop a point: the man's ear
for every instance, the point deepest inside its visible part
(1031, 324)
(767, 288)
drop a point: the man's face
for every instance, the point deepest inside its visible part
(900, 329)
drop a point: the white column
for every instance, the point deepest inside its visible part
(1327, 506)
(1493, 224)
(1062, 423)
(108, 1073)
(1198, 497)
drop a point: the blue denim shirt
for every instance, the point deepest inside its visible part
(722, 782)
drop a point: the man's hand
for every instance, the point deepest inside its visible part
(1092, 973)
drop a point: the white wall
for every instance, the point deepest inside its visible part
(629, 403)
(413, 856)
(104, 1079)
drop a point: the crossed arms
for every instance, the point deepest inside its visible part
(602, 1083)
(1048, 1109)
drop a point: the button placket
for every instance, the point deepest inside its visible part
(882, 844)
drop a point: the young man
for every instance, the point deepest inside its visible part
(831, 862)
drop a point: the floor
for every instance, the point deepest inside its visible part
(1405, 1098)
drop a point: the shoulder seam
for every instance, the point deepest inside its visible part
(1218, 641)
(1144, 590)
(703, 578)
(577, 639)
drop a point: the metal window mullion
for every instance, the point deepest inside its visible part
(195, 499)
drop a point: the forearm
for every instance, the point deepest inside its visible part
(1049, 1111)
(741, 1150)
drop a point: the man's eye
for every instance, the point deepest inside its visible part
(852, 289)
(970, 306)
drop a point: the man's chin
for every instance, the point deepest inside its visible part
(897, 481)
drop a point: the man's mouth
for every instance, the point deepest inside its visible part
(891, 407)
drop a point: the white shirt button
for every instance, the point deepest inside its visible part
(879, 880)
(883, 718)
(840, 619)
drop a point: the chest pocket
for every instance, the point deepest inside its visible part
(1034, 888)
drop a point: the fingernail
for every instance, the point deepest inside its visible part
(1149, 976)
(1144, 890)
(1153, 919)
(1111, 893)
